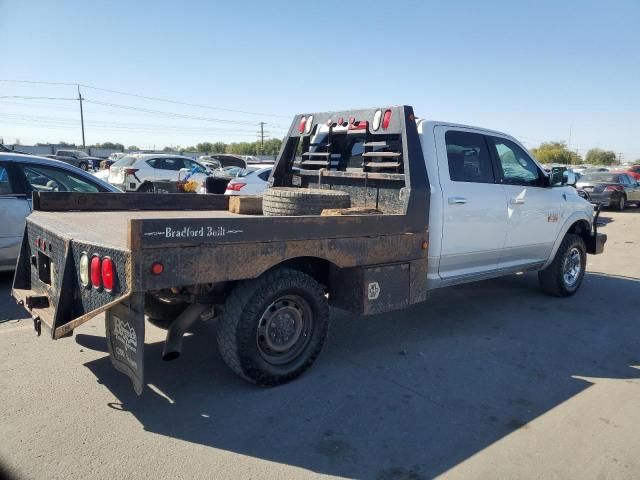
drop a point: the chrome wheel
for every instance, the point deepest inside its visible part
(284, 329)
(572, 267)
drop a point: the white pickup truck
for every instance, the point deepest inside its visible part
(367, 211)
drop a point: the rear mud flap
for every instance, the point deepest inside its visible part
(125, 338)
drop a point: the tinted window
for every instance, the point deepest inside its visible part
(468, 157)
(173, 164)
(517, 167)
(196, 167)
(265, 175)
(47, 179)
(5, 185)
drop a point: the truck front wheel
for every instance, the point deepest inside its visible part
(273, 328)
(564, 275)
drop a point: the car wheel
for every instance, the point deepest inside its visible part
(564, 275)
(289, 201)
(622, 203)
(273, 327)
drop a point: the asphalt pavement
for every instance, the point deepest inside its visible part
(488, 380)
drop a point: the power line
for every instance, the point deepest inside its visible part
(147, 97)
(25, 97)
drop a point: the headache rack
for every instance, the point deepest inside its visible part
(373, 154)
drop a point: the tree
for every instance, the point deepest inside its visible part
(219, 147)
(132, 148)
(597, 156)
(555, 152)
(206, 147)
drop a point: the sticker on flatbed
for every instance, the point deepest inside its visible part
(125, 339)
(373, 291)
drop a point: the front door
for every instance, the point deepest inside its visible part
(474, 219)
(535, 210)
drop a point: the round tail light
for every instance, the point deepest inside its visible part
(108, 274)
(84, 270)
(95, 273)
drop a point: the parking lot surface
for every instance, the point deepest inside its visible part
(487, 380)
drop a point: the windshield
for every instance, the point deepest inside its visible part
(79, 154)
(600, 177)
(125, 161)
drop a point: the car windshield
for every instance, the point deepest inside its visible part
(125, 161)
(600, 177)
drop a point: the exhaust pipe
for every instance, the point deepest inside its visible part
(173, 343)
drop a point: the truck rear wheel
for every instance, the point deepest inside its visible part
(287, 201)
(564, 275)
(273, 328)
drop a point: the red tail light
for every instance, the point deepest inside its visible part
(359, 125)
(157, 268)
(95, 272)
(614, 188)
(386, 119)
(301, 126)
(108, 276)
(235, 187)
(130, 171)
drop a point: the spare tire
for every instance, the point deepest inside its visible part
(291, 201)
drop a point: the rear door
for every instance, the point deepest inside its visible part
(475, 209)
(14, 208)
(534, 209)
(170, 169)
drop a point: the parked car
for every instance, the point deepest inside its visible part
(77, 158)
(632, 170)
(222, 160)
(611, 189)
(22, 174)
(115, 156)
(137, 172)
(480, 207)
(250, 181)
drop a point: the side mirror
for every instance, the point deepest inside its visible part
(556, 177)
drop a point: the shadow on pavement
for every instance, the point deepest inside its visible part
(402, 395)
(9, 309)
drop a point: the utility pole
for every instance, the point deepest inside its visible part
(81, 116)
(262, 124)
(619, 158)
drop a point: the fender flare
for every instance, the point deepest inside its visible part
(569, 222)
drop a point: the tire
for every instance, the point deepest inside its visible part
(553, 280)
(83, 166)
(161, 313)
(249, 315)
(622, 203)
(289, 201)
(145, 188)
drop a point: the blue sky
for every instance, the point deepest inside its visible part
(537, 70)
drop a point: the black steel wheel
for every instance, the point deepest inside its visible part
(273, 327)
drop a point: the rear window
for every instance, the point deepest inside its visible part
(125, 161)
(600, 177)
(243, 172)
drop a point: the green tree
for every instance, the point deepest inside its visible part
(132, 148)
(109, 145)
(597, 156)
(219, 147)
(555, 152)
(272, 146)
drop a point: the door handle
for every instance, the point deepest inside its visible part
(517, 201)
(457, 200)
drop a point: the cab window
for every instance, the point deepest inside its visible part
(5, 184)
(517, 168)
(468, 157)
(47, 179)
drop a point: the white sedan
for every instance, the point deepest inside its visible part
(250, 181)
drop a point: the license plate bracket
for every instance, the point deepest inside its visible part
(124, 324)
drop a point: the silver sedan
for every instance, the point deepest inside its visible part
(19, 176)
